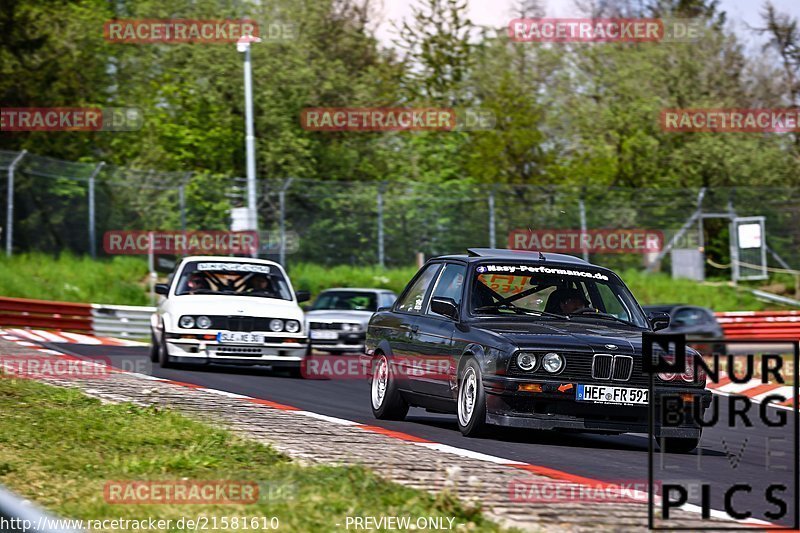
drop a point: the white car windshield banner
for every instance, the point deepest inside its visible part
(529, 269)
(234, 267)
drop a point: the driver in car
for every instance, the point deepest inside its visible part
(260, 284)
(568, 300)
(197, 282)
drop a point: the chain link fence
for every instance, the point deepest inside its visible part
(61, 205)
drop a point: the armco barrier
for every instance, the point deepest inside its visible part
(43, 314)
(121, 320)
(104, 320)
(760, 324)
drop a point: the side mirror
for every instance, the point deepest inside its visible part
(162, 288)
(445, 306)
(382, 309)
(659, 320)
(302, 296)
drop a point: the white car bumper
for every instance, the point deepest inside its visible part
(202, 351)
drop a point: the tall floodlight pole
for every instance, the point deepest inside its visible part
(243, 45)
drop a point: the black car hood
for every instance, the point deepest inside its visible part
(578, 335)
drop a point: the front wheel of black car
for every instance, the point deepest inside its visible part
(387, 402)
(471, 401)
(679, 444)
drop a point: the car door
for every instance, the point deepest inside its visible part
(434, 337)
(407, 310)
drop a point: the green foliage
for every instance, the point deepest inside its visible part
(67, 278)
(122, 280)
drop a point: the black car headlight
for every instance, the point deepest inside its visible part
(552, 362)
(186, 322)
(526, 361)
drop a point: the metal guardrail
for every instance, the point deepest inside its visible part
(20, 516)
(760, 324)
(43, 314)
(124, 321)
(121, 320)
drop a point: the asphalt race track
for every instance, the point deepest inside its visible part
(725, 459)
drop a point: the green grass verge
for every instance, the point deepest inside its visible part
(59, 448)
(69, 278)
(123, 280)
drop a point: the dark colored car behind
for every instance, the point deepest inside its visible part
(693, 321)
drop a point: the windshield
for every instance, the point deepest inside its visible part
(572, 293)
(346, 301)
(236, 279)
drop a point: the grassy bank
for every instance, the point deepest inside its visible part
(68, 278)
(123, 280)
(59, 448)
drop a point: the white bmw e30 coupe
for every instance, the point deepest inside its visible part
(230, 310)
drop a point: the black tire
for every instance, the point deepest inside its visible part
(390, 405)
(471, 422)
(678, 444)
(163, 359)
(295, 372)
(154, 348)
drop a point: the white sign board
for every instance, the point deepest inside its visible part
(750, 235)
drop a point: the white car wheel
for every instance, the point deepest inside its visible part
(380, 380)
(467, 394)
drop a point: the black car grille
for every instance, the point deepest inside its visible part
(579, 367)
(325, 325)
(240, 323)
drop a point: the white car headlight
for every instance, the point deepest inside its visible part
(186, 321)
(292, 326)
(203, 322)
(552, 362)
(276, 324)
(526, 361)
(351, 327)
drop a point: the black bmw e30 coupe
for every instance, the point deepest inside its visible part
(523, 339)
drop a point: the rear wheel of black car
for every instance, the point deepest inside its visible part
(678, 444)
(471, 401)
(387, 402)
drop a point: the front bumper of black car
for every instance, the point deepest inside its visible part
(556, 407)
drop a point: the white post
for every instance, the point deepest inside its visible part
(243, 45)
(92, 228)
(10, 203)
